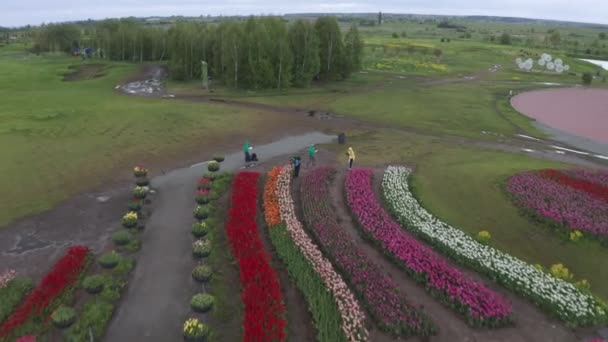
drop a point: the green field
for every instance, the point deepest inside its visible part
(59, 138)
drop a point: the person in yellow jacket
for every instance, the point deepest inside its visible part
(351, 157)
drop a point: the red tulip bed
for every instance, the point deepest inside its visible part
(261, 292)
(378, 292)
(563, 200)
(480, 305)
(597, 177)
(38, 305)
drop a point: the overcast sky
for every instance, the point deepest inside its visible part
(23, 12)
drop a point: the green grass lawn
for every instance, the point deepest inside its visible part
(59, 138)
(462, 186)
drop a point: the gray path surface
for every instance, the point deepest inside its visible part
(157, 300)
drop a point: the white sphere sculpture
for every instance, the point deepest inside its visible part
(550, 66)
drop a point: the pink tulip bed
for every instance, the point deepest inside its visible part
(575, 202)
(335, 310)
(378, 292)
(480, 305)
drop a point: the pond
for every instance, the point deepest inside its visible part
(576, 112)
(603, 64)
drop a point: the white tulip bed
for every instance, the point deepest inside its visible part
(556, 296)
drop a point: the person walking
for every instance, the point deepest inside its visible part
(312, 151)
(351, 157)
(246, 151)
(296, 166)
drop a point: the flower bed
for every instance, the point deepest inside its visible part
(378, 292)
(589, 187)
(336, 312)
(597, 177)
(556, 296)
(12, 292)
(561, 204)
(480, 305)
(261, 291)
(41, 302)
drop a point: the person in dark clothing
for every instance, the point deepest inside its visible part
(296, 166)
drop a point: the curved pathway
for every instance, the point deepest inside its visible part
(157, 300)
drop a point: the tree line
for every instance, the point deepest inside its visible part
(264, 52)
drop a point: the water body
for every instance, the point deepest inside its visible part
(576, 116)
(603, 64)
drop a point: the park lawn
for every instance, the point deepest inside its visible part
(462, 186)
(462, 109)
(60, 138)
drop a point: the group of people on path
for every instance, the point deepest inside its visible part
(296, 160)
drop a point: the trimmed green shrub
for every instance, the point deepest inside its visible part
(218, 158)
(200, 229)
(142, 181)
(201, 248)
(202, 273)
(121, 237)
(109, 260)
(63, 317)
(136, 205)
(94, 284)
(213, 166)
(202, 302)
(201, 212)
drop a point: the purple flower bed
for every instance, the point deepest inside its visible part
(379, 293)
(480, 305)
(597, 177)
(563, 205)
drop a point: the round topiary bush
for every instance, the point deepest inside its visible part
(195, 331)
(136, 205)
(200, 229)
(201, 212)
(142, 181)
(109, 260)
(211, 176)
(202, 273)
(93, 284)
(218, 158)
(202, 302)
(129, 220)
(63, 317)
(121, 237)
(201, 248)
(213, 166)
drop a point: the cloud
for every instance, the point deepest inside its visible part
(22, 12)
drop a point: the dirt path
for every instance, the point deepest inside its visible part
(530, 323)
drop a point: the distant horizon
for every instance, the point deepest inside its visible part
(37, 12)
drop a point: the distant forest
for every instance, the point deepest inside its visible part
(254, 53)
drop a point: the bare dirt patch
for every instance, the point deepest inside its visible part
(84, 72)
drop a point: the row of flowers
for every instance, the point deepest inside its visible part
(13, 289)
(43, 299)
(589, 187)
(338, 315)
(556, 296)
(261, 292)
(561, 204)
(379, 293)
(203, 231)
(479, 304)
